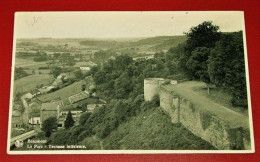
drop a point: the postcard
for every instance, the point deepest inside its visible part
(130, 82)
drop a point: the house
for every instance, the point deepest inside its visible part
(45, 89)
(78, 97)
(84, 68)
(61, 78)
(49, 110)
(92, 107)
(76, 112)
(34, 110)
(35, 121)
(173, 82)
(16, 119)
(64, 75)
(57, 82)
(28, 95)
(35, 92)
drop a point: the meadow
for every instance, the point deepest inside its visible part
(30, 82)
(63, 93)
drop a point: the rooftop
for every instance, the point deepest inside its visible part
(49, 106)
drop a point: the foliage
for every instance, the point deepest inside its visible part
(156, 100)
(227, 67)
(69, 122)
(40, 57)
(49, 125)
(67, 136)
(78, 74)
(214, 58)
(56, 71)
(153, 130)
(83, 118)
(204, 35)
(83, 87)
(19, 72)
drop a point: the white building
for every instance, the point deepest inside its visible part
(34, 121)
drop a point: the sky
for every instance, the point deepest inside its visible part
(119, 24)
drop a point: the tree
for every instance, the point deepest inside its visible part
(19, 72)
(226, 66)
(123, 86)
(198, 64)
(55, 71)
(49, 125)
(204, 35)
(122, 62)
(83, 87)
(78, 74)
(83, 118)
(69, 122)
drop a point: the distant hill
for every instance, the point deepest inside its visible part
(157, 43)
(99, 43)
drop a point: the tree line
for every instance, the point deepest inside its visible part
(215, 58)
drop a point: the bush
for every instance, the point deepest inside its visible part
(239, 102)
(49, 125)
(84, 117)
(43, 68)
(156, 100)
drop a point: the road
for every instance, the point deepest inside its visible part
(25, 113)
(185, 90)
(23, 137)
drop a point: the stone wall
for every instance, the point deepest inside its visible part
(151, 87)
(200, 122)
(170, 103)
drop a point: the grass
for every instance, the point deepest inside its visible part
(64, 92)
(153, 130)
(185, 91)
(28, 83)
(221, 97)
(28, 63)
(91, 143)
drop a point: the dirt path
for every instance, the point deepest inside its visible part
(25, 113)
(185, 90)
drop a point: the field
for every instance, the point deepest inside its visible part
(63, 93)
(30, 82)
(29, 66)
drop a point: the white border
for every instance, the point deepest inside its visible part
(132, 151)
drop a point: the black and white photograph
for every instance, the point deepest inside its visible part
(130, 82)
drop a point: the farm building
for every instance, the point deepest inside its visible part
(34, 120)
(49, 110)
(16, 119)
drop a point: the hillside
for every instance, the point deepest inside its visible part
(161, 42)
(153, 129)
(99, 43)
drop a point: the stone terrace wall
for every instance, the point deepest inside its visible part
(151, 87)
(170, 103)
(200, 122)
(209, 127)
